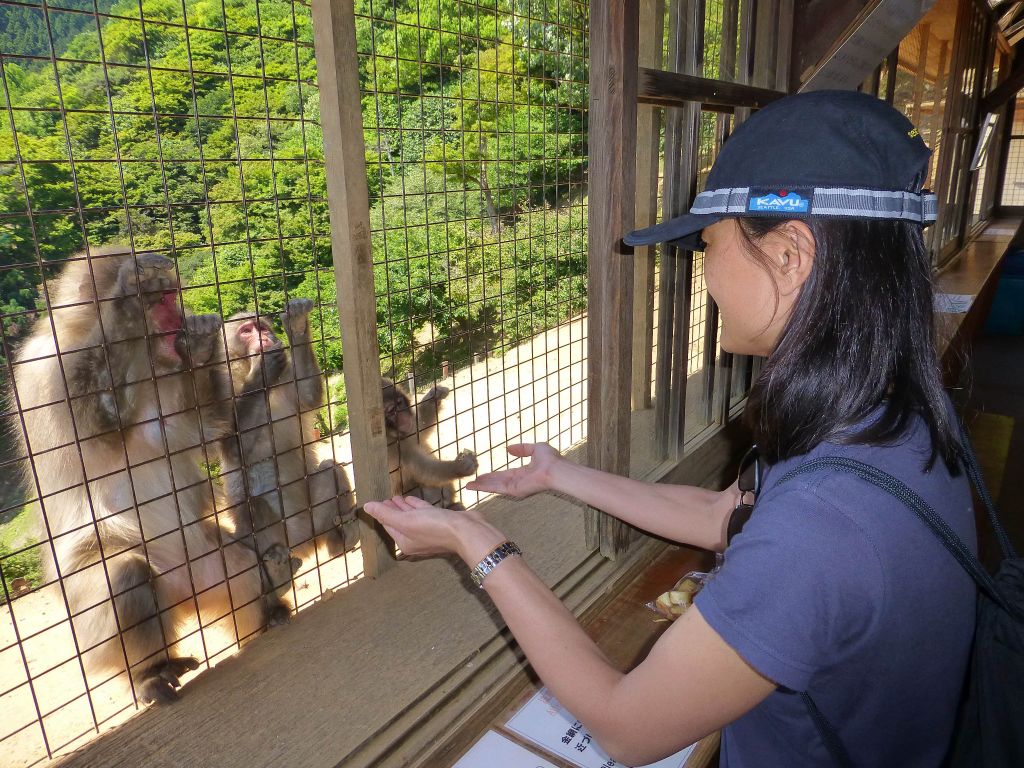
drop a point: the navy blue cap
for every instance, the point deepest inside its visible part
(821, 153)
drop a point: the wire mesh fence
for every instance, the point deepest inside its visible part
(475, 117)
(160, 170)
(1012, 189)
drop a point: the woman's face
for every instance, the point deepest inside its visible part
(754, 299)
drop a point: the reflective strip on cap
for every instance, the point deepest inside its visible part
(874, 204)
(921, 207)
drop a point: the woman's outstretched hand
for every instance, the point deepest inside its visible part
(419, 528)
(522, 481)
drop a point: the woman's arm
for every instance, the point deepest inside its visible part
(680, 513)
(691, 683)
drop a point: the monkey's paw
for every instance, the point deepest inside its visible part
(161, 683)
(437, 392)
(202, 326)
(280, 556)
(146, 273)
(296, 317)
(278, 614)
(466, 463)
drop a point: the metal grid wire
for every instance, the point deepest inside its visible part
(1012, 190)
(475, 115)
(186, 129)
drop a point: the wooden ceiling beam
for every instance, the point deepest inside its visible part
(672, 89)
(1006, 90)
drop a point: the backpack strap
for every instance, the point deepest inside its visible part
(970, 462)
(936, 524)
(901, 491)
(827, 733)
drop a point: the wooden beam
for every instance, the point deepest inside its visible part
(1007, 16)
(784, 44)
(924, 35)
(334, 39)
(614, 34)
(766, 38)
(891, 65)
(648, 133)
(673, 89)
(879, 27)
(1006, 90)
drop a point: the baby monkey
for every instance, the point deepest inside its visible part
(411, 459)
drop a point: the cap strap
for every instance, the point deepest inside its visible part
(921, 207)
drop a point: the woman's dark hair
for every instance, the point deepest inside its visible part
(861, 335)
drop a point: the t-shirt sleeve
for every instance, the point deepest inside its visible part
(801, 587)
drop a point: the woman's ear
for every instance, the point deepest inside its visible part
(792, 252)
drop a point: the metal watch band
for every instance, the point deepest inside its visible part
(489, 563)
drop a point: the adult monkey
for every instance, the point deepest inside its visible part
(295, 500)
(109, 399)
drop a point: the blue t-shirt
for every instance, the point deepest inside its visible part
(836, 588)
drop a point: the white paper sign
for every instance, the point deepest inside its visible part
(546, 723)
(496, 751)
(953, 303)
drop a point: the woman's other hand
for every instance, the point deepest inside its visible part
(521, 481)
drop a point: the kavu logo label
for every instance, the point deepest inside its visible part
(780, 200)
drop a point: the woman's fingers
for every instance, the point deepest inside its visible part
(491, 481)
(521, 449)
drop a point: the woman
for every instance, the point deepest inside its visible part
(812, 229)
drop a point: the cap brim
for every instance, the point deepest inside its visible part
(682, 231)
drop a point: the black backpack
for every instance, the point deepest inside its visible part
(989, 731)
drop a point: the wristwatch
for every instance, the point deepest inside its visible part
(489, 563)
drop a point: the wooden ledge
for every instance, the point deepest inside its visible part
(974, 272)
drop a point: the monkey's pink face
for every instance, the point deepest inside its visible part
(256, 336)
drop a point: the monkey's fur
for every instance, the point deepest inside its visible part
(411, 459)
(117, 459)
(269, 455)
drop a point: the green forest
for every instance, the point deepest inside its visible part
(474, 117)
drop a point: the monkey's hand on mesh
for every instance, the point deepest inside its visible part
(437, 392)
(203, 333)
(160, 684)
(466, 463)
(279, 555)
(296, 320)
(150, 274)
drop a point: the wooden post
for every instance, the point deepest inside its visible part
(614, 33)
(676, 278)
(648, 134)
(334, 38)
(924, 36)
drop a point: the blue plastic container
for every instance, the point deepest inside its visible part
(1006, 317)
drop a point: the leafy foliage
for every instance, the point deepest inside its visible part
(475, 146)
